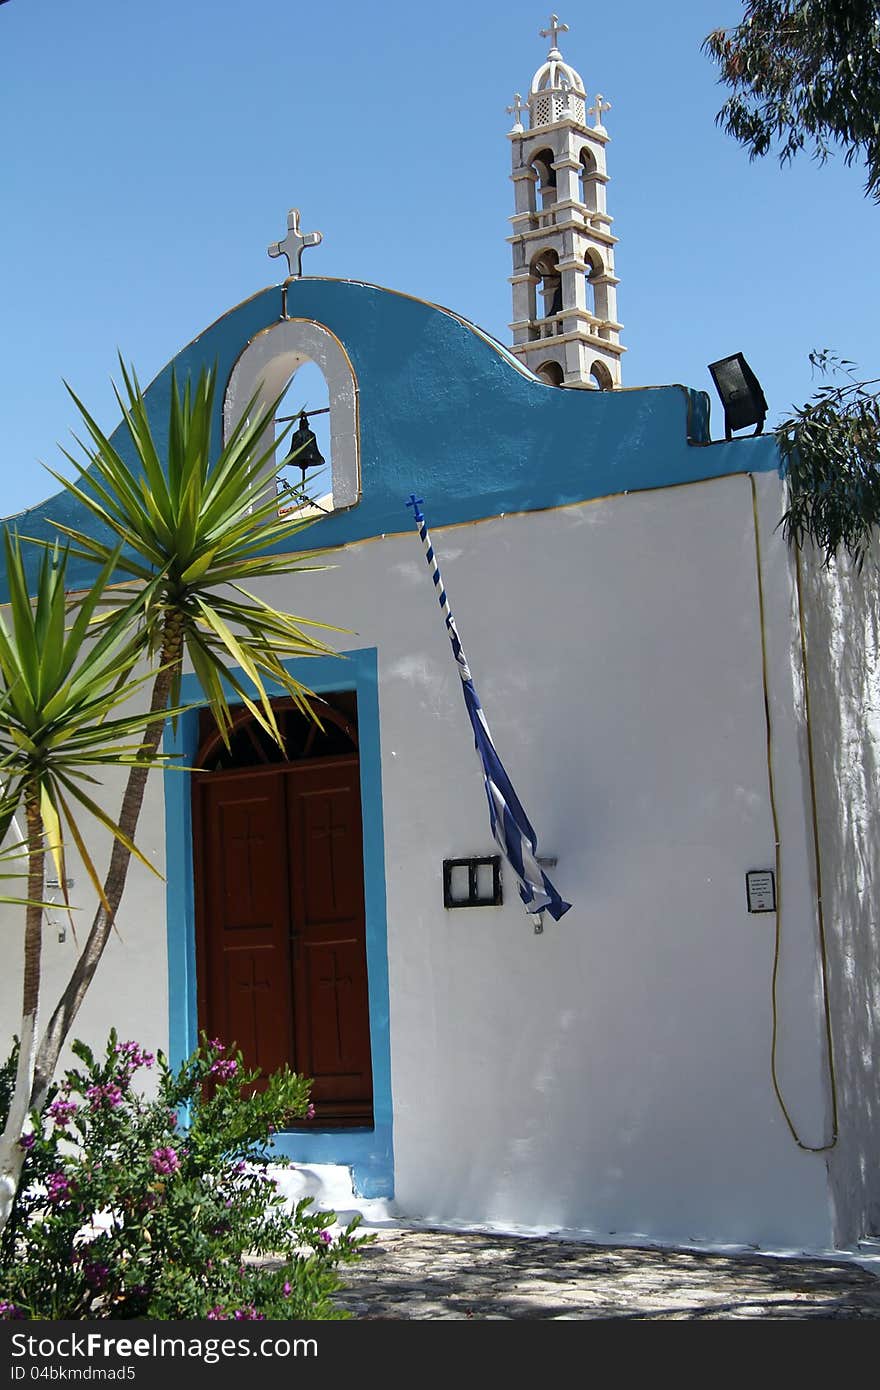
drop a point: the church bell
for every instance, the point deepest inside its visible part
(304, 452)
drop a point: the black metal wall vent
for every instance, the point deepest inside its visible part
(465, 886)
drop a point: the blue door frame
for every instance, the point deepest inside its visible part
(367, 1152)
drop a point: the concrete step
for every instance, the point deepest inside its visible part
(330, 1187)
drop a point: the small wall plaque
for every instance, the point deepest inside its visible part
(761, 890)
(472, 882)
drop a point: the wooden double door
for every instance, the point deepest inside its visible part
(282, 964)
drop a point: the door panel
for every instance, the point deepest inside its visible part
(282, 938)
(246, 915)
(331, 1012)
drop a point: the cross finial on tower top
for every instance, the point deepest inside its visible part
(553, 32)
(294, 243)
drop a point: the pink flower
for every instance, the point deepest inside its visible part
(96, 1275)
(310, 1113)
(26, 1142)
(164, 1161)
(107, 1096)
(326, 1237)
(287, 1290)
(133, 1057)
(57, 1187)
(63, 1111)
(217, 1045)
(9, 1310)
(224, 1069)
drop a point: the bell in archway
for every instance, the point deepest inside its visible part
(304, 452)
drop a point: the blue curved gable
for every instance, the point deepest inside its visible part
(448, 413)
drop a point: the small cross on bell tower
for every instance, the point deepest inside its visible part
(599, 106)
(516, 111)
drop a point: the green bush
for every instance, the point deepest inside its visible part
(164, 1208)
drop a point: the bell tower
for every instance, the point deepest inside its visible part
(565, 325)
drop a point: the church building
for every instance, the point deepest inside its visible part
(681, 701)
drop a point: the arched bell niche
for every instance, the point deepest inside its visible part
(268, 367)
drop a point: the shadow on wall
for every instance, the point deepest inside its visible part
(842, 613)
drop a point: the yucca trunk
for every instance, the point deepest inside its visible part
(61, 1022)
(11, 1152)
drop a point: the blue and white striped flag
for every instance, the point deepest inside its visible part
(511, 827)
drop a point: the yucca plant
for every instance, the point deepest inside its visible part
(188, 532)
(59, 694)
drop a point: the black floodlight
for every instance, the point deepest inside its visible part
(740, 393)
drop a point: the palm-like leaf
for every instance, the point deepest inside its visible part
(188, 535)
(58, 701)
(13, 857)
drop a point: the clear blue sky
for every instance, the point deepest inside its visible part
(151, 152)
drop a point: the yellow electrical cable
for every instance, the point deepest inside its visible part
(808, 1148)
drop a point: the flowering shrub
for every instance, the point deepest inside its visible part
(162, 1208)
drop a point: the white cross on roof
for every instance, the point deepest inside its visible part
(294, 243)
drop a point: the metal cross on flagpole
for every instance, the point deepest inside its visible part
(511, 827)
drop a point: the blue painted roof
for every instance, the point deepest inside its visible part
(448, 413)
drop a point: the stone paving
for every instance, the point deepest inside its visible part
(433, 1274)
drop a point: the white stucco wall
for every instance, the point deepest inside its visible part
(842, 610)
(612, 1074)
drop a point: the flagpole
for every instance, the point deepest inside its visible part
(422, 528)
(510, 825)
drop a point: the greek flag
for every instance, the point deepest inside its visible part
(511, 827)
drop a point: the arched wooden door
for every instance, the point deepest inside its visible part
(279, 888)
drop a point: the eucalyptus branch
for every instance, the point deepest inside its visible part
(803, 74)
(831, 456)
